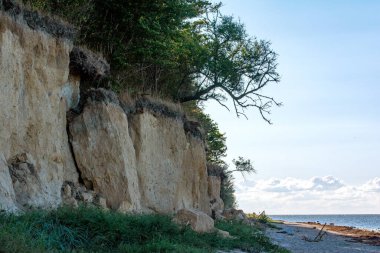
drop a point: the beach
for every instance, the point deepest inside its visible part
(300, 238)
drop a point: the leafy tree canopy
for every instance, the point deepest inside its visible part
(215, 140)
(233, 65)
(185, 50)
(243, 165)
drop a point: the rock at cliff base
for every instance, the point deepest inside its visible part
(234, 214)
(216, 203)
(223, 233)
(125, 207)
(26, 182)
(101, 202)
(7, 194)
(199, 221)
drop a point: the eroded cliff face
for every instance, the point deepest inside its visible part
(140, 162)
(35, 94)
(105, 154)
(167, 156)
(139, 157)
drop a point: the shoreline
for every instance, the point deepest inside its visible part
(370, 237)
(301, 237)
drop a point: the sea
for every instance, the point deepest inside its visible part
(363, 221)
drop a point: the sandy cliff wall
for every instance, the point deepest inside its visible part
(139, 157)
(166, 155)
(105, 154)
(35, 94)
(142, 161)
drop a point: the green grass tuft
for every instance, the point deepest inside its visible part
(94, 230)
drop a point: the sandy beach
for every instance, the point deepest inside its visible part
(299, 238)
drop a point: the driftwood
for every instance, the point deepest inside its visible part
(319, 236)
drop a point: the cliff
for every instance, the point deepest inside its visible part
(141, 161)
(36, 92)
(60, 143)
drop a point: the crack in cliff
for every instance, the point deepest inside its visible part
(69, 118)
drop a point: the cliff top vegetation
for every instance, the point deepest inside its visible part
(183, 50)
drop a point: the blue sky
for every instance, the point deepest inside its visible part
(329, 126)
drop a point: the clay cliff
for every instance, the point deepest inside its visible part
(62, 143)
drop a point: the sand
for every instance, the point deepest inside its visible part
(298, 238)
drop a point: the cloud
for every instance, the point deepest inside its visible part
(284, 185)
(292, 184)
(315, 195)
(372, 185)
(326, 183)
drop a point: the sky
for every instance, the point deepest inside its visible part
(322, 153)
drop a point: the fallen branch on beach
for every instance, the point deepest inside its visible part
(319, 236)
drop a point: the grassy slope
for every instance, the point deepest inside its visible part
(94, 230)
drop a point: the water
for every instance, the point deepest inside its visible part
(364, 221)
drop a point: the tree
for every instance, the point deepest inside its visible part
(216, 148)
(233, 65)
(184, 50)
(227, 192)
(148, 43)
(243, 165)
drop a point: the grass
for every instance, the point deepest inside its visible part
(264, 219)
(94, 230)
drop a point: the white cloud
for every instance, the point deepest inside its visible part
(318, 195)
(292, 184)
(372, 185)
(326, 183)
